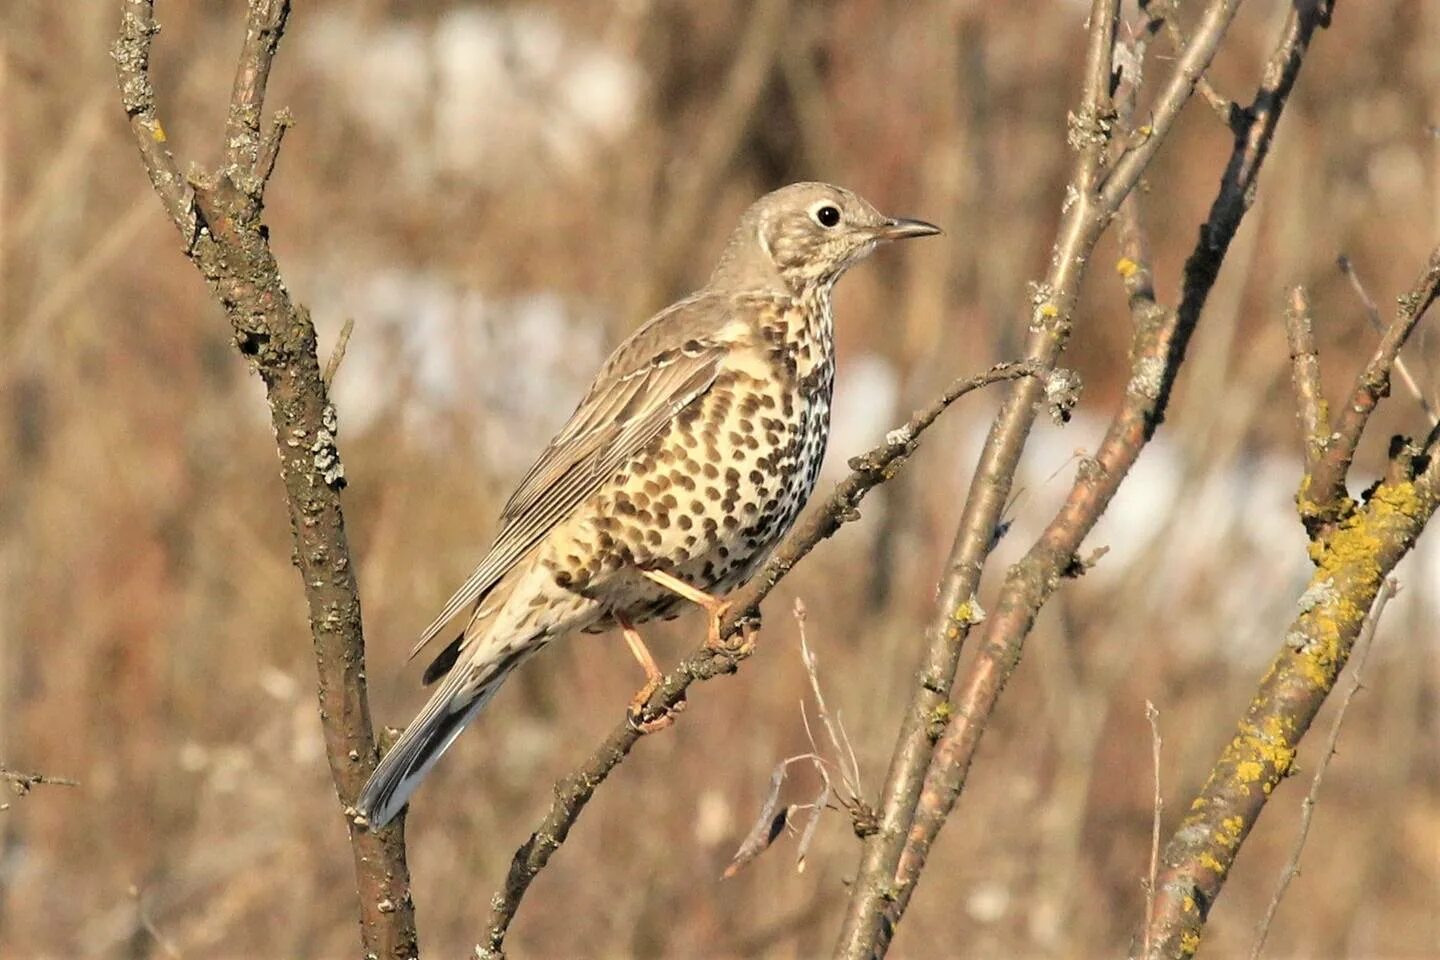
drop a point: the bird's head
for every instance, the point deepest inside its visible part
(807, 235)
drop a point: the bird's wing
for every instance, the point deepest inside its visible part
(665, 366)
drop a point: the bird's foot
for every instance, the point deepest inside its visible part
(715, 610)
(735, 647)
(643, 721)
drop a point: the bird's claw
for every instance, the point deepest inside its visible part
(638, 717)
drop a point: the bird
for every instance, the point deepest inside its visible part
(688, 459)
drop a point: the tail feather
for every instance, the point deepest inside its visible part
(429, 735)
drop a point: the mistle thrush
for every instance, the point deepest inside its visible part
(688, 459)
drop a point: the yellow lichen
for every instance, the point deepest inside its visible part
(1126, 267)
(158, 133)
(1189, 943)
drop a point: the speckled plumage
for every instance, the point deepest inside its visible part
(692, 454)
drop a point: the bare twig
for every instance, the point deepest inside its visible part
(1086, 213)
(1158, 806)
(1324, 500)
(1307, 808)
(1305, 375)
(1164, 11)
(22, 783)
(574, 791)
(1372, 313)
(844, 752)
(769, 824)
(218, 214)
(337, 353)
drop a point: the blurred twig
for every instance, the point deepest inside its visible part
(1307, 808)
(218, 214)
(1372, 313)
(1164, 11)
(728, 117)
(574, 791)
(912, 806)
(337, 353)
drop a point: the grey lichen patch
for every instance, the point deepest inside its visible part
(1062, 393)
(1148, 378)
(1319, 592)
(326, 454)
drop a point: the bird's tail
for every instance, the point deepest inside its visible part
(453, 705)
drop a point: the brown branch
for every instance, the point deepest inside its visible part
(1307, 807)
(912, 808)
(1324, 500)
(1305, 376)
(574, 791)
(218, 215)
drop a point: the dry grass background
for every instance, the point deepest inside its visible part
(491, 192)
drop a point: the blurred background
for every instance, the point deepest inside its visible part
(496, 193)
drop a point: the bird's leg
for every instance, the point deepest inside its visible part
(715, 609)
(636, 711)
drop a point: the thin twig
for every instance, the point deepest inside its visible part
(1372, 313)
(1325, 502)
(337, 353)
(1158, 805)
(573, 791)
(1307, 808)
(22, 783)
(1165, 12)
(844, 753)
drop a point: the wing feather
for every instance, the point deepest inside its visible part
(622, 413)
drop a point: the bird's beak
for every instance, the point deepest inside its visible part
(902, 229)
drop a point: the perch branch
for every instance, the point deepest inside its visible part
(1307, 807)
(574, 791)
(218, 214)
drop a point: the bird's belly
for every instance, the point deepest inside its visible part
(706, 501)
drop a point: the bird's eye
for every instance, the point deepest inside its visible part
(827, 216)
